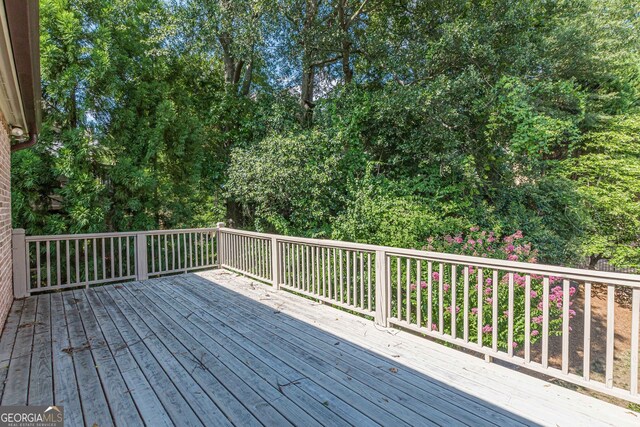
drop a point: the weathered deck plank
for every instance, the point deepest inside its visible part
(218, 349)
(116, 392)
(17, 388)
(95, 408)
(41, 378)
(430, 398)
(310, 363)
(8, 339)
(176, 406)
(243, 367)
(149, 406)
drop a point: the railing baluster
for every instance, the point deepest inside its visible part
(465, 296)
(586, 362)
(419, 293)
(408, 301)
(635, 330)
(429, 295)
(86, 262)
(545, 322)
(128, 251)
(202, 262)
(95, 260)
(494, 312)
(361, 280)
(398, 289)
(335, 273)
(104, 259)
(454, 315)
(611, 293)
(48, 259)
(480, 306)
(324, 276)
(355, 278)
(113, 261)
(510, 317)
(166, 252)
(348, 254)
(78, 279)
(527, 318)
(119, 256)
(153, 253)
(441, 298)
(341, 279)
(58, 265)
(565, 326)
(68, 257)
(38, 279)
(368, 279)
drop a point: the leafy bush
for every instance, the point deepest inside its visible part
(483, 289)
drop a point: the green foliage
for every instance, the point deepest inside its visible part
(291, 184)
(607, 174)
(418, 119)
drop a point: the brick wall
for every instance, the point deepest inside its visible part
(6, 287)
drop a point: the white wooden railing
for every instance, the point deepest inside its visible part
(522, 313)
(454, 299)
(48, 263)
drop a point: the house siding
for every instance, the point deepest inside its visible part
(6, 287)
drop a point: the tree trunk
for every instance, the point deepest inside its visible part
(346, 43)
(307, 86)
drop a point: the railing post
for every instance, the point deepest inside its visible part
(382, 290)
(141, 257)
(20, 263)
(275, 264)
(219, 250)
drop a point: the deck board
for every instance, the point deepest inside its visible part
(215, 348)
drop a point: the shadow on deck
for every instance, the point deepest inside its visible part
(217, 349)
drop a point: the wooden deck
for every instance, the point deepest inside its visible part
(217, 349)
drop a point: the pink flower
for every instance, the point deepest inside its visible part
(514, 344)
(423, 285)
(458, 239)
(434, 327)
(413, 286)
(487, 328)
(488, 291)
(474, 310)
(537, 319)
(513, 257)
(488, 281)
(535, 333)
(474, 228)
(489, 300)
(491, 239)
(506, 313)
(435, 275)
(446, 287)
(572, 291)
(471, 242)
(518, 234)
(479, 241)
(509, 249)
(533, 294)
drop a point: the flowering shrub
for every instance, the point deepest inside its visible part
(489, 244)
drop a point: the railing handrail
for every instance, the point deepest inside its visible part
(54, 237)
(594, 276)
